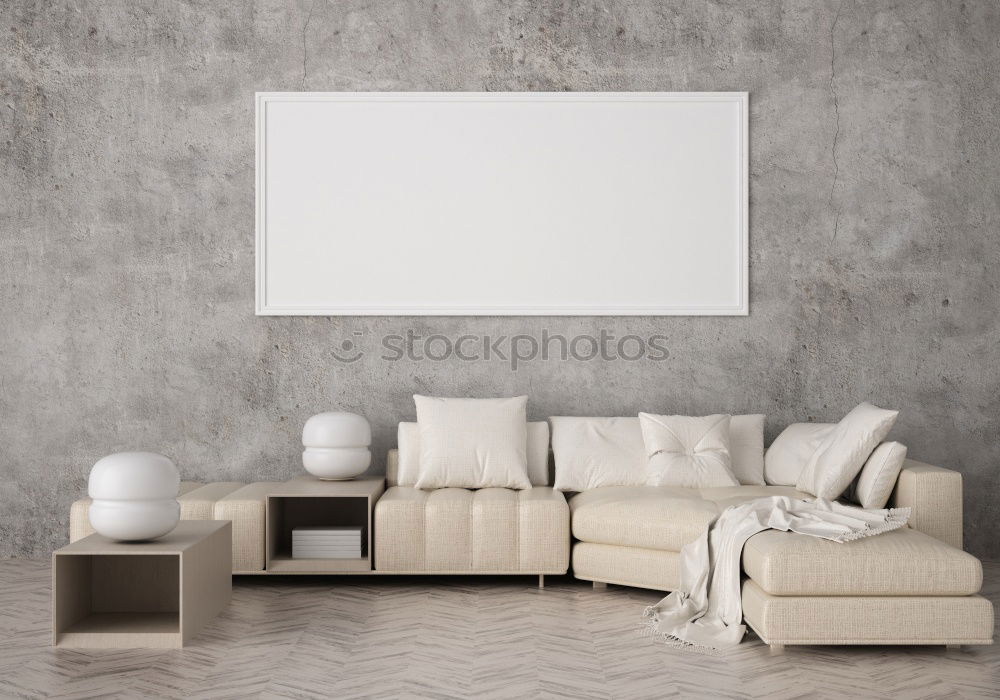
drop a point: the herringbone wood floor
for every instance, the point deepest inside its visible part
(455, 638)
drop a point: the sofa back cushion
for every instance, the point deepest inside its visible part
(686, 451)
(472, 443)
(746, 448)
(788, 454)
(595, 452)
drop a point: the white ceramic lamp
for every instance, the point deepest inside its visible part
(134, 496)
(336, 445)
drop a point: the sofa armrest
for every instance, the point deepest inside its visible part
(934, 496)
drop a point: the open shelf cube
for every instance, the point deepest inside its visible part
(311, 502)
(108, 594)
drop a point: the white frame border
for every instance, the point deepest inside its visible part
(262, 99)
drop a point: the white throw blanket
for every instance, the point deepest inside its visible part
(707, 611)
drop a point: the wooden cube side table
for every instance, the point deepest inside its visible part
(307, 501)
(157, 594)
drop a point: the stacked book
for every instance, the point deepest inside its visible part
(327, 542)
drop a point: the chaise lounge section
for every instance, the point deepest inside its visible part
(902, 587)
(910, 586)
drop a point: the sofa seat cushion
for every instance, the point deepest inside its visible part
(898, 563)
(453, 530)
(657, 517)
(653, 517)
(726, 496)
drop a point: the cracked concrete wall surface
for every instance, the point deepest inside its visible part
(127, 198)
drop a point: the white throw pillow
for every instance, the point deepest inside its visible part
(878, 477)
(595, 452)
(746, 448)
(687, 452)
(795, 445)
(472, 443)
(408, 444)
(844, 451)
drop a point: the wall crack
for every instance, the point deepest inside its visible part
(305, 45)
(836, 122)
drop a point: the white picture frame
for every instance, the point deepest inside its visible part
(502, 204)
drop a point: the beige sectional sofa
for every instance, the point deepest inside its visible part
(909, 586)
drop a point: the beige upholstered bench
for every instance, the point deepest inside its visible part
(199, 504)
(246, 508)
(444, 531)
(223, 500)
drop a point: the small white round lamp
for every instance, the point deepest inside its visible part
(336, 445)
(134, 496)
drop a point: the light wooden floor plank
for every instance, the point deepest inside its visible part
(455, 637)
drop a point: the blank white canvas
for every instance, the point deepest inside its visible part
(502, 203)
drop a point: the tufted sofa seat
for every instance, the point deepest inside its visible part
(455, 530)
(482, 531)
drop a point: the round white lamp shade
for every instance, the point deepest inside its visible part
(134, 496)
(336, 445)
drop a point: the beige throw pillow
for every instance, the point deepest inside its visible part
(878, 477)
(687, 452)
(472, 443)
(844, 451)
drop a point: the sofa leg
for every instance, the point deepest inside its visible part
(541, 580)
(599, 585)
(777, 648)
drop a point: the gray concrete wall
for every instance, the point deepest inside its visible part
(127, 207)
